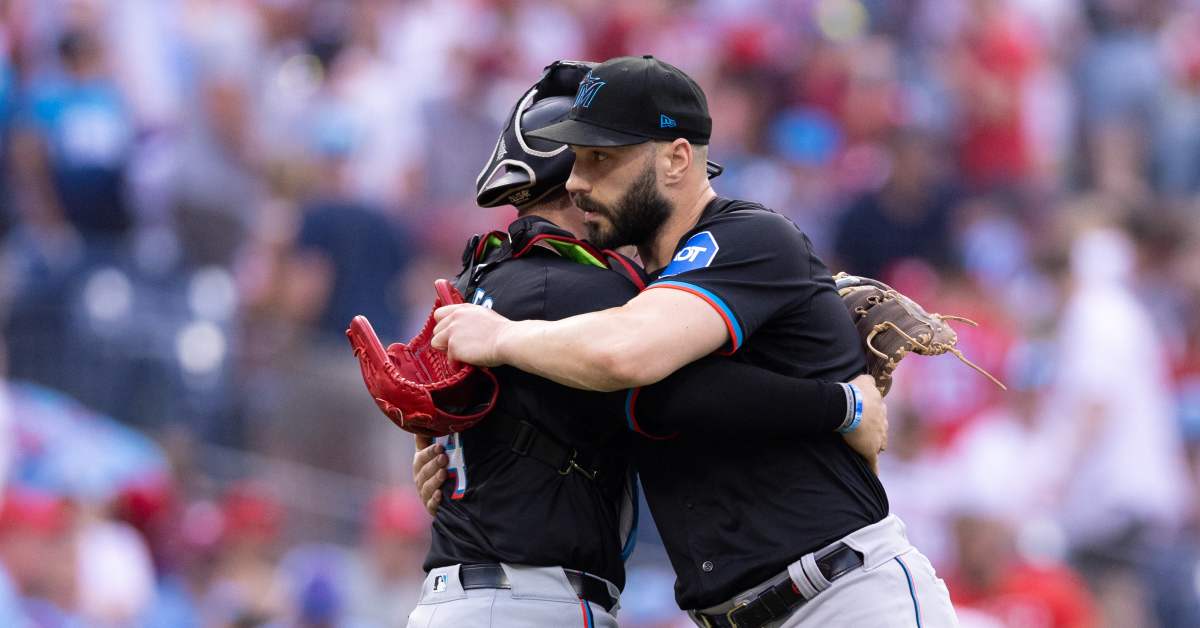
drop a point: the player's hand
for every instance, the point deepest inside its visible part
(429, 472)
(870, 438)
(469, 333)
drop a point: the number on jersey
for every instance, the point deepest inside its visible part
(457, 470)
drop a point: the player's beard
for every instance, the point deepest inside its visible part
(634, 219)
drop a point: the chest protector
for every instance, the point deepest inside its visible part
(485, 253)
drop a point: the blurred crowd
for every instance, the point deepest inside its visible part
(197, 195)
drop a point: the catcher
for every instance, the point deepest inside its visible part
(540, 508)
(760, 531)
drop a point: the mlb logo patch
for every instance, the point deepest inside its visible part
(698, 252)
(439, 584)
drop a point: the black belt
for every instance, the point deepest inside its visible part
(781, 600)
(492, 576)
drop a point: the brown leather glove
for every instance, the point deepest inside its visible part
(892, 326)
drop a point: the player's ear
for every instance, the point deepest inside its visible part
(677, 157)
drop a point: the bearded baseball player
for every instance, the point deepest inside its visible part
(760, 531)
(538, 511)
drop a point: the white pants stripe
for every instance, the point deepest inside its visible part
(912, 591)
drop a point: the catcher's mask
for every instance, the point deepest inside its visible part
(524, 170)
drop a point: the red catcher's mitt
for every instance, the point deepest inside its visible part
(418, 387)
(892, 325)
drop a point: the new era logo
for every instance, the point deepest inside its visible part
(665, 121)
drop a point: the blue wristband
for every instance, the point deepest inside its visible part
(858, 410)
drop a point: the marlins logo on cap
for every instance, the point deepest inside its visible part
(588, 88)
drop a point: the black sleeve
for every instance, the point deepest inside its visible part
(749, 265)
(720, 396)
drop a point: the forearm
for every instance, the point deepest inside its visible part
(594, 351)
(721, 396)
(632, 345)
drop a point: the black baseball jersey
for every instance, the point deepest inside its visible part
(735, 512)
(502, 507)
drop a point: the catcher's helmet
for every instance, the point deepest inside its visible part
(524, 170)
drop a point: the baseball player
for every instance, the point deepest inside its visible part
(539, 508)
(760, 531)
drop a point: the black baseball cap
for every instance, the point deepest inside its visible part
(631, 100)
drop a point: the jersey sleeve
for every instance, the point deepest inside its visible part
(724, 397)
(748, 265)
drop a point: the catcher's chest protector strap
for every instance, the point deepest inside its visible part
(526, 439)
(485, 252)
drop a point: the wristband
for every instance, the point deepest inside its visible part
(849, 416)
(852, 420)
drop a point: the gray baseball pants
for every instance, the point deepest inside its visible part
(540, 597)
(896, 587)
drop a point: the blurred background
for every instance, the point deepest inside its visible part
(197, 195)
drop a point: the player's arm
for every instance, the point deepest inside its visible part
(632, 345)
(751, 266)
(721, 397)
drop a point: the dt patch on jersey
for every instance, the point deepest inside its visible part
(697, 252)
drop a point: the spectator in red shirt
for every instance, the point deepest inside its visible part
(992, 578)
(991, 69)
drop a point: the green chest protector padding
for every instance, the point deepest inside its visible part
(486, 252)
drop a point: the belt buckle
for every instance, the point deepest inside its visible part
(736, 607)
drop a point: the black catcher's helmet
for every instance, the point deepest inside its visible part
(524, 170)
